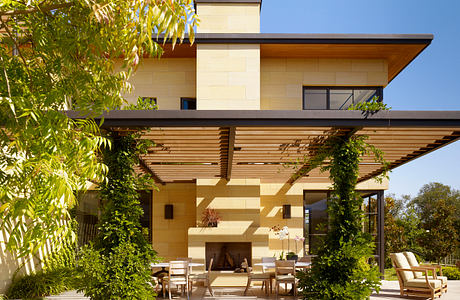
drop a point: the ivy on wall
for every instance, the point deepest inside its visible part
(117, 266)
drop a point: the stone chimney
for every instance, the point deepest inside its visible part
(228, 16)
(228, 74)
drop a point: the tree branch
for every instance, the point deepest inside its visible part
(35, 9)
(17, 47)
(6, 79)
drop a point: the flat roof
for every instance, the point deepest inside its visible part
(399, 50)
(257, 144)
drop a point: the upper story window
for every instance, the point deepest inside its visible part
(338, 97)
(188, 103)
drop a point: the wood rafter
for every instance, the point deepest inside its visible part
(147, 169)
(415, 154)
(227, 145)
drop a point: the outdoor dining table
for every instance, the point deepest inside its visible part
(164, 265)
(271, 265)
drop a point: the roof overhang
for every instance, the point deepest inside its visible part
(258, 144)
(397, 49)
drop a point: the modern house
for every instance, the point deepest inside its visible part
(237, 105)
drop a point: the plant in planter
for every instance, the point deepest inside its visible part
(210, 218)
(283, 233)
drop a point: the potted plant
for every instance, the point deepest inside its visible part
(292, 256)
(210, 217)
(283, 233)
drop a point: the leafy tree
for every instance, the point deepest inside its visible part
(58, 54)
(430, 194)
(428, 204)
(440, 238)
(395, 239)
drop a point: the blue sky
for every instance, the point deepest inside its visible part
(430, 82)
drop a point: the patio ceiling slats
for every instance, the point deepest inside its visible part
(256, 144)
(185, 154)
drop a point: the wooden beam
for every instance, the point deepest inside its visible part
(227, 144)
(147, 169)
(231, 148)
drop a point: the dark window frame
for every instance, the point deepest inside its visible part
(380, 238)
(182, 99)
(379, 92)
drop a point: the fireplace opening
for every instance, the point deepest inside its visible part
(228, 256)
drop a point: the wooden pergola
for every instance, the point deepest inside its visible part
(261, 144)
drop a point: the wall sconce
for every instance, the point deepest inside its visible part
(286, 211)
(169, 215)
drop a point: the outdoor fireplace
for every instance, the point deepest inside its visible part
(227, 256)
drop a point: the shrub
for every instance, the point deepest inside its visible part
(118, 275)
(451, 273)
(43, 283)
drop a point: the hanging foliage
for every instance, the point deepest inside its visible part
(342, 269)
(117, 266)
(56, 55)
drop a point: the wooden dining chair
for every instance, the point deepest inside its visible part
(285, 273)
(203, 277)
(269, 259)
(264, 277)
(178, 276)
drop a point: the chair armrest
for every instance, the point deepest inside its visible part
(401, 269)
(422, 269)
(433, 267)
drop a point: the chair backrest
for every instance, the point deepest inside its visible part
(267, 259)
(210, 265)
(178, 268)
(189, 259)
(399, 260)
(283, 267)
(412, 260)
(245, 266)
(306, 259)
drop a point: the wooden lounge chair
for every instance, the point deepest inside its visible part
(411, 286)
(203, 277)
(264, 277)
(412, 260)
(285, 273)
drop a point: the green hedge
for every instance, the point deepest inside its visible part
(43, 283)
(452, 273)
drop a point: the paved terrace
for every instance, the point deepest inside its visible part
(390, 290)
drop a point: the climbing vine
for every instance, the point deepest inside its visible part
(342, 269)
(117, 265)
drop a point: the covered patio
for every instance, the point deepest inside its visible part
(212, 149)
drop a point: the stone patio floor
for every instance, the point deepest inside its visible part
(390, 290)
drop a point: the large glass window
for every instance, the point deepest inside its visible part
(88, 212)
(370, 216)
(338, 98)
(315, 220)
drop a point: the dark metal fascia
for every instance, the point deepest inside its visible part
(304, 38)
(280, 118)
